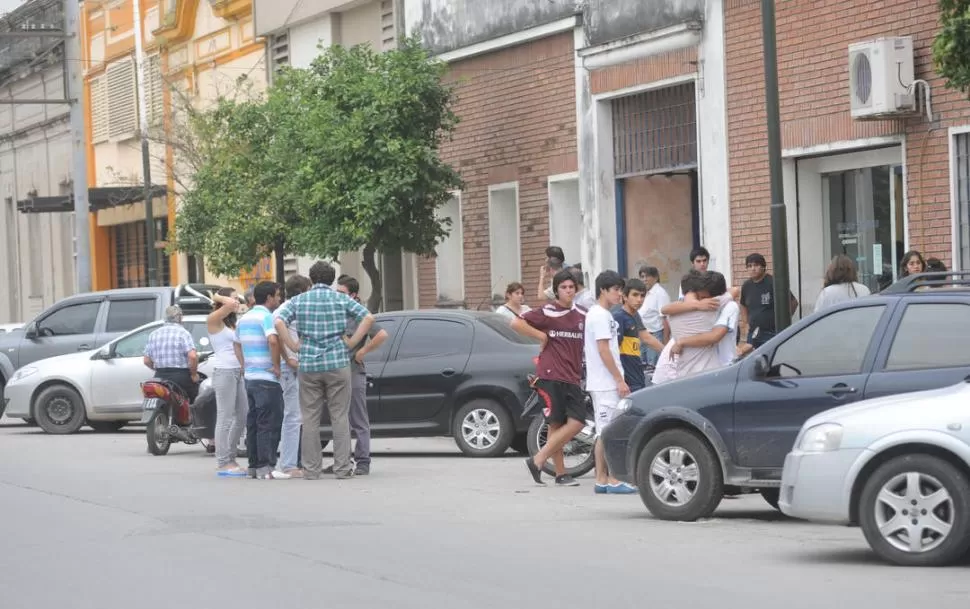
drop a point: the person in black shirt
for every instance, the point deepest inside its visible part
(758, 305)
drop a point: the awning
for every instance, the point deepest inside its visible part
(99, 198)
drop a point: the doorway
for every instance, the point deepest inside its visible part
(863, 211)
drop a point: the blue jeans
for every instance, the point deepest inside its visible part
(263, 424)
(649, 355)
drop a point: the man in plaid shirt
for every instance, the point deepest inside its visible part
(321, 318)
(170, 352)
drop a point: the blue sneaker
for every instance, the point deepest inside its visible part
(621, 489)
(601, 489)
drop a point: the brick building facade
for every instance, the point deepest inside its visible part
(818, 133)
(518, 127)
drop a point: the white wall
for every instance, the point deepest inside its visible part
(37, 159)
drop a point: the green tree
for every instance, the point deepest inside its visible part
(362, 136)
(951, 49)
(342, 156)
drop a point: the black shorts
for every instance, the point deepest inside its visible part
(561, 401)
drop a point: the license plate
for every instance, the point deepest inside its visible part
(149, 408)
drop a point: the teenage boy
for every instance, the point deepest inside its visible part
(604, 377)
(558, 326)
(633, 333)
(758, 304)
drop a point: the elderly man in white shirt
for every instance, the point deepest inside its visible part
(653, 320)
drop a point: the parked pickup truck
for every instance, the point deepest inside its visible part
(87, 321)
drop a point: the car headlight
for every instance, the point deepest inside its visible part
(624, 404)
(821, 438)
(23, 373)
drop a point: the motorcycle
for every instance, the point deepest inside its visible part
(170, 417)
(578, 452)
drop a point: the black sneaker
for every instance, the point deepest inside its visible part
(535, 471)
(362, 469)
(566, 480)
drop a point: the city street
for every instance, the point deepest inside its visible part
(92, 521)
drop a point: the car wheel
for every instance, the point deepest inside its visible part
(771, 495)
(482, 428)
(915, 511)
(106, 426)
(59, 410)
(520, 443)
(577, 454)
(679, 476)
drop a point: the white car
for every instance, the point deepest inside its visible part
(100, 387)
(897, 466)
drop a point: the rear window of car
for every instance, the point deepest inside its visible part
(500, 324)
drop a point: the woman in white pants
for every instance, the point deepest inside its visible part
(232, 405)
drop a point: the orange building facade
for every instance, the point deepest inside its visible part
(194, 51)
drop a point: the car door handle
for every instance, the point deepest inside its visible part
(448, 372)
(841, 390)
(83, 347)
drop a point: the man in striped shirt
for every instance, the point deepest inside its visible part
(321, 317)
(258, 349)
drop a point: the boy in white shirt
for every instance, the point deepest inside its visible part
(604, 372)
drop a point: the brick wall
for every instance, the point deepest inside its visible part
(813, 74)
(518, 112)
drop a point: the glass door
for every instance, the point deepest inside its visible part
(863, 217)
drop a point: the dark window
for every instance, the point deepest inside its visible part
(931, 336)
(133, 345)
(124, 315)
(434, 337)
(200, 334)
(72, 319)
(502, 325)
(389, 325)
(834, 345)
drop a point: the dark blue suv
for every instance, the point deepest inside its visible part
(685, 443)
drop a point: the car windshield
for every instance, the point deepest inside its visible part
(501, 325)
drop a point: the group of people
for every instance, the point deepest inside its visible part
(276, 367)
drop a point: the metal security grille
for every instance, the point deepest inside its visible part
(279, 51)
(961, 145)
(655, 131)
(130, 252)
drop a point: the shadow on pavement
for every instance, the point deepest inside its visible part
(841, 556)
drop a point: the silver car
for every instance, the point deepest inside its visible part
(898, 467)
(100, 387)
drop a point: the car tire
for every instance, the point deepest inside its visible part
(482, 428)
(59, 410)
(932, 476)
(771, 495)
(683, 449)
(520, 443)
(106, 426)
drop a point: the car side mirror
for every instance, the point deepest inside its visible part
(103, 353)
(761, 366)
(30, 331)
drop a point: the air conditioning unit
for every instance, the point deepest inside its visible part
(881, 76)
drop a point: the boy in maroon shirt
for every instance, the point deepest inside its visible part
(559, 327)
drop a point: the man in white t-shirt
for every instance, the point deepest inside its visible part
(604, 371)
(653, 320)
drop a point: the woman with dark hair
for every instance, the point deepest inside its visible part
(232, 404)
(912, 264)
(514, 301)
(841, 284)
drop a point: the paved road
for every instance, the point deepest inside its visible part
(92, 521)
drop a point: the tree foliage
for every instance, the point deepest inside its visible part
(951, 49)
(341, 156)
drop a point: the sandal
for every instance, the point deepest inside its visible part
(231, 472)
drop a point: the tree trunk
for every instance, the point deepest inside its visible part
(369, 263)
(279, 253)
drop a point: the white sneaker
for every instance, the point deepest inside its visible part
(278, 475)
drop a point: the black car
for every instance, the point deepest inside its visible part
(685, 443)
(450, 373)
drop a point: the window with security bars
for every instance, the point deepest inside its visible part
(130, 254)
(961, 154)
(655, 131)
